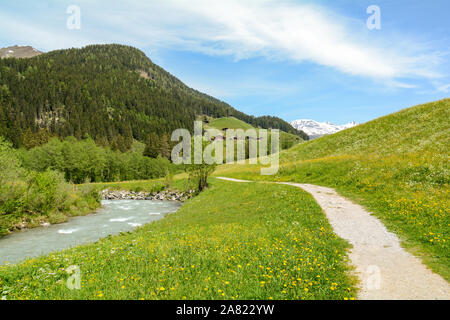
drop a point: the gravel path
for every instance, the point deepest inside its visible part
(385, 270)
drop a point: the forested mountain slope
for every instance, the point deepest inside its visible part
(112, 93)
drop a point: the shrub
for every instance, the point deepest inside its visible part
(47, 191)
(28, 195)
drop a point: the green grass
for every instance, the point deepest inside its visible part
(233, 241)
(230, 123)
(396, 166)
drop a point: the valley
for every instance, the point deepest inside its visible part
(77, 122)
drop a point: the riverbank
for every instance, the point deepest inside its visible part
(77, 202)
(85, 199)
(167, 195)
(113, 218)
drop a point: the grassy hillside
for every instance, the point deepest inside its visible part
(230, 123)
(287, 140)
(396, 166)
(212, 248)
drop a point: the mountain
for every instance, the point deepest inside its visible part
(112, 93)
(19, 52)
(315, 129)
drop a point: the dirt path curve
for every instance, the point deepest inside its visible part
(384, 268)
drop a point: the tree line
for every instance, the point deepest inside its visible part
(84, 161)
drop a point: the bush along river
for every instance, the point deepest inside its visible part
(114, 217)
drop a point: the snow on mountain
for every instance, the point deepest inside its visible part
(315, 129)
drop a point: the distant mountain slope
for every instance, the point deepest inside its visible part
(112, 93)
(19, 52)
(230, 123)
(315, 129)
(287, 140)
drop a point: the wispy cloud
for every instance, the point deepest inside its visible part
(278, 30)
(444, 88)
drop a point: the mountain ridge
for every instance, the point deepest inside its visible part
(19, 52)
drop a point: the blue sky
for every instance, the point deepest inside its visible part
(293, 59)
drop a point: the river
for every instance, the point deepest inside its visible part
(114, 217)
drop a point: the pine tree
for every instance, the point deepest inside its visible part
(165, 147)
(153, 147)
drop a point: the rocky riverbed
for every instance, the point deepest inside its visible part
(133, 195)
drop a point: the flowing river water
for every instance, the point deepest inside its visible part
(114, 217)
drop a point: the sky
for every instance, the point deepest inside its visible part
(295, 59)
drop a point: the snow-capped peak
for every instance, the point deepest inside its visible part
(315, 129)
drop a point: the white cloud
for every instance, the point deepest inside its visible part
(444, 88)
(281, 30)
